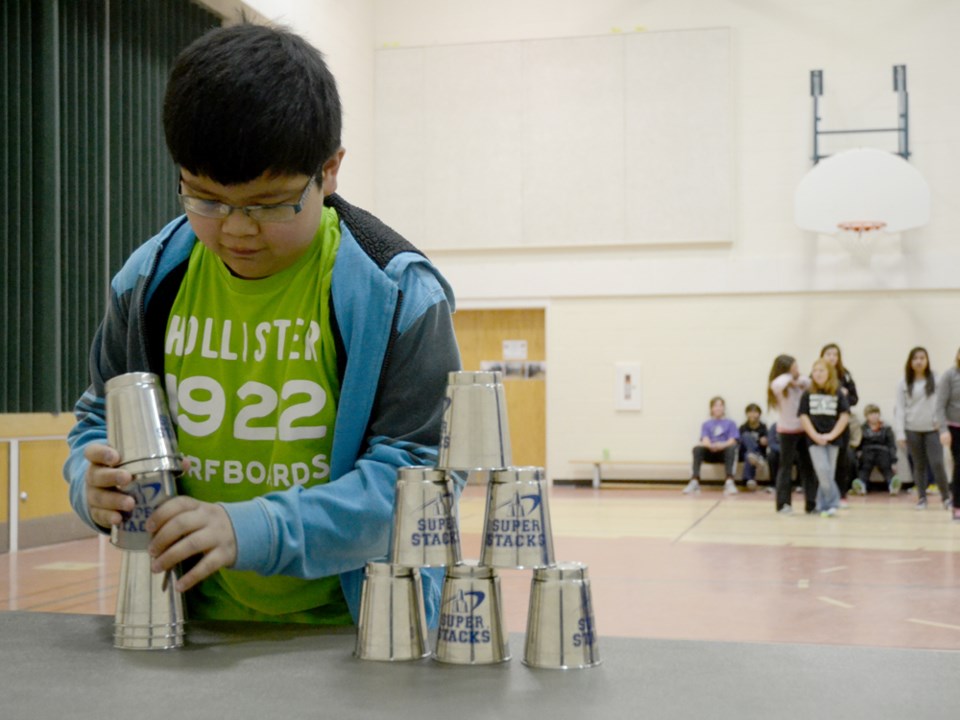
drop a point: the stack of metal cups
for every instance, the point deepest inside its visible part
(475, 439)
(149, 613)
(392, 624)
(517, 534)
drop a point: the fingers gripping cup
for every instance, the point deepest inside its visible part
(425, 526)
(517, 531)
(149, 614)
(140, 430)
(392, 624)
(561, 630)
(471, 618)
(474, 433)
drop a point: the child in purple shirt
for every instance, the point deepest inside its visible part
(718, 444)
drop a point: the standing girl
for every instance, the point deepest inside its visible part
(915, 425)
(784, 391)
(825, 413)
(846, 460)
(948, 421)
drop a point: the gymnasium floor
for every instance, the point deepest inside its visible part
(670, 566)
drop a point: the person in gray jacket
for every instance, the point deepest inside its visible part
(948, 421)
(915, 425)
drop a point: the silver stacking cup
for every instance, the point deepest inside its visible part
(140, 430)
(471, 618)
(392, 624)
(561, 630)
(516, 532)
(149, 614)
(474, 434)
(425, 526)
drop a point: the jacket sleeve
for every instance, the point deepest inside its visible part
(942, 400)
(899, 410)
(779, 384)
(852, 396)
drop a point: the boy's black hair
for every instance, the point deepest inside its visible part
(248, 99)
(753, 406)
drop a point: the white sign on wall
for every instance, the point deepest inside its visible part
(514, 349)
(627, 393)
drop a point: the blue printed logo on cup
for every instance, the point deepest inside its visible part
(517, 523)
(146, 495)
(461, 619)
(435, 523)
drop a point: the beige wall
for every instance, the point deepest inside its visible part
(692, 348)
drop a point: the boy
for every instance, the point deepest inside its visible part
(878, 449)
(753, 445)
(304, 347)
(718, 443)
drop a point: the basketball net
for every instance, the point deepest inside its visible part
(857, 236)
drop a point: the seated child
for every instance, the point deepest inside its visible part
(753, 445)
(718, 444)
(878, 449)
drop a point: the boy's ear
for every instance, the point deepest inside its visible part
(330, 169)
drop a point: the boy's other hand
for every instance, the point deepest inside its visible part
(183, 527)
(105, 483)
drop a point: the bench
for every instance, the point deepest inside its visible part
(669, 471)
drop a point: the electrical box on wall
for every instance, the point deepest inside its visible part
(627, 393)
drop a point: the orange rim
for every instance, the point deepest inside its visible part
(860, 226)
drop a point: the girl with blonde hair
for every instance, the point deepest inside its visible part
(825, 413)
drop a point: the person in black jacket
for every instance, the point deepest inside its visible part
(878, 449)
(753, 445)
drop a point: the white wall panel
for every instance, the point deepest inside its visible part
(563, 142)
(573, 142)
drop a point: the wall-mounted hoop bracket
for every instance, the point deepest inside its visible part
(903, 114)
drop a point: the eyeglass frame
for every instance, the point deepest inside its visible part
(247, 210)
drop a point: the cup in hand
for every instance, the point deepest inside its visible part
(561, 630)
(139, 428)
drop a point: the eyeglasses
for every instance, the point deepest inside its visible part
(284, 212)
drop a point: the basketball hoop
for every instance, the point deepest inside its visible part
(855, 235)
(861, 226)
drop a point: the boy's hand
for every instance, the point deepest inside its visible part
(105, 482)
(183, 527)
(945, 438)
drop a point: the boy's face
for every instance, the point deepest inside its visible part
(718, 409)
(873, 418)
(251, 249)
(753, 417)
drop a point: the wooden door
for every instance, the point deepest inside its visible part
(481, 334)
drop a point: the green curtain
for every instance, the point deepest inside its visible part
(86, 177)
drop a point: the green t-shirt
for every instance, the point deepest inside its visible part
(251, 377)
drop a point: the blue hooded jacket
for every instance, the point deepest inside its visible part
(392, 313)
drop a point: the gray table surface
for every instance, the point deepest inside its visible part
(64, 666)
